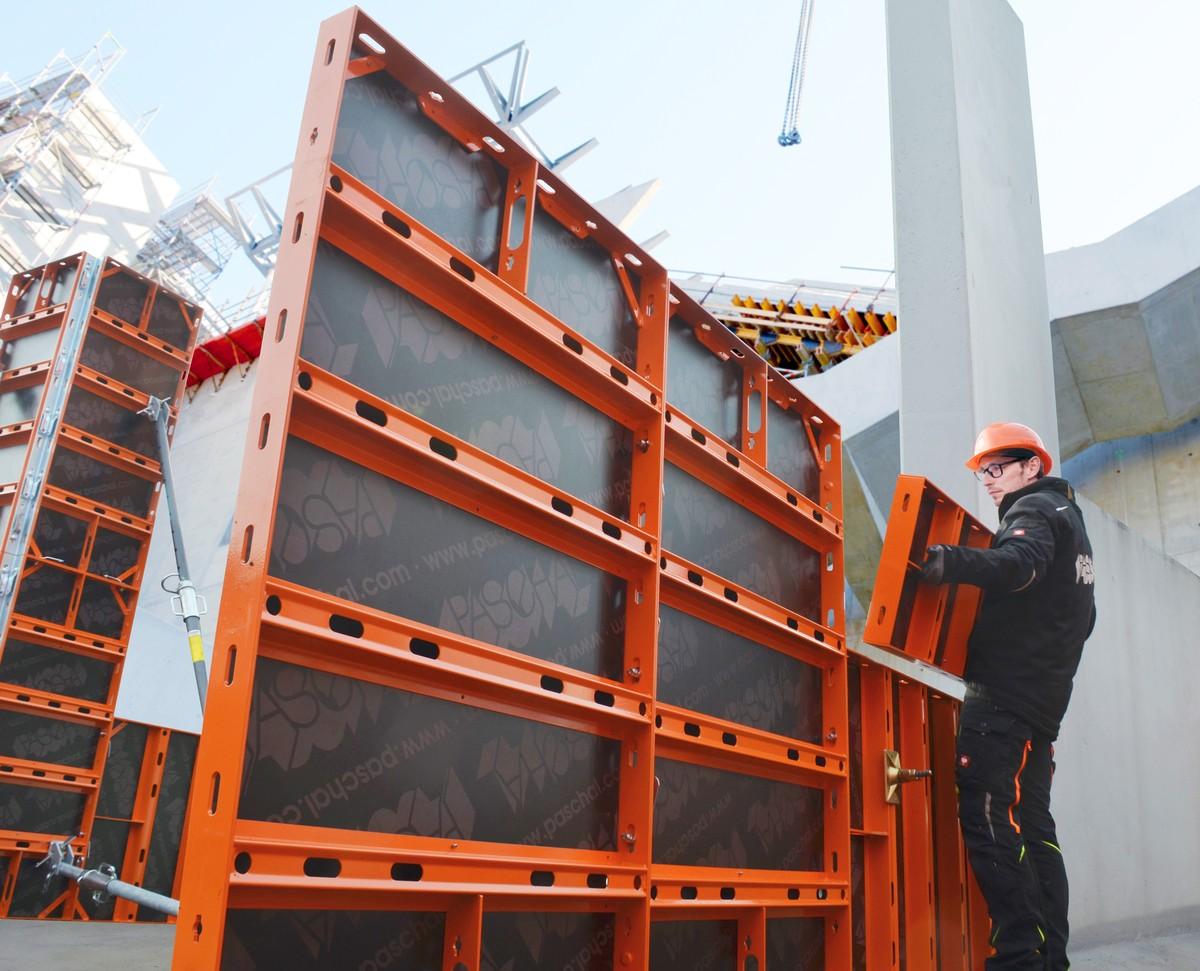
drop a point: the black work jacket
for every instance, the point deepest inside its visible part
(1038, 603)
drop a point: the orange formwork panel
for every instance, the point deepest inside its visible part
(519, 524)
(915, 903)
(944, 919)
(137, 828)
(925, 622)
(85, 342)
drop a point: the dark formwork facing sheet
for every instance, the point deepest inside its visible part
(55, 672)
(707, 817)
(367, 330)
(445, 728)
(715, 532)
(703, 386)
(708, 669)
(554, 941)
(389, 143)
(84, 341)
(693, 944)
(333, 752)
(355, 534)
(333, 940)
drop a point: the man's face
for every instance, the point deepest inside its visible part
(1014, 474)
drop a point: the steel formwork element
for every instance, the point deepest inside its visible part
(137, 828)
(85, 342)
(915, 903)
(926, 622)
(519, 520)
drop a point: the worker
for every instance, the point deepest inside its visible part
(1038, 608)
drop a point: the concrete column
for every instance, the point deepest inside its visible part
(971, 279)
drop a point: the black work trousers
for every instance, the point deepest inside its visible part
(1004, 770)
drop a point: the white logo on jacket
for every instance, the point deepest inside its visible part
(1084, 572)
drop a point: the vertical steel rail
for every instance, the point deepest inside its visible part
(212, 811)
(49, 418)
(145, 810)
(920, 913)
(949, 856)
(881, 876)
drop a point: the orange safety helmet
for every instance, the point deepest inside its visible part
(1007, 436)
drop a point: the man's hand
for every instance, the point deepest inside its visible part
(934, 567)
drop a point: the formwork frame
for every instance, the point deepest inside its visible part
(250, 864)
(945, 918)
(922, 621)
(920, 906)
(76, 333)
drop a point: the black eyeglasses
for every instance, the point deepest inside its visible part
(994, 469)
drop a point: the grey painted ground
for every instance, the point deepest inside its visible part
(1175, 952)
(27, 944)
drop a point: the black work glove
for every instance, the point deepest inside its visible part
(934, 567)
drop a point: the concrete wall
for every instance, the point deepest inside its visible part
(158, 686)
(1128, 779)
(1140, 259)
(970, 271)
(1152, 484)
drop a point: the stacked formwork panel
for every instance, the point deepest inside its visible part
(85, 342)
(536, 652)
(918, 900)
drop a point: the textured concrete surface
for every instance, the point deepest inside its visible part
(1127, 782)
(139, 947)
(1130, 369)
(1151, 483)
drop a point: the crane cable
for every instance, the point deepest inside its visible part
(790, 134)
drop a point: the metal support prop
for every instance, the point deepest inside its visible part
(188, 603)
(102, 881)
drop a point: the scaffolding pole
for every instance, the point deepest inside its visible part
(102, 881)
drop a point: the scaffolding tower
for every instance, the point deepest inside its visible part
(258, 223)
(58, 143)
(189, 249)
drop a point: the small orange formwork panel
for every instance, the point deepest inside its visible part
(85, 341)
(533, 649)
(943, 921)
(926, 622)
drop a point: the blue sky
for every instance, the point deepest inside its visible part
(690, 92)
